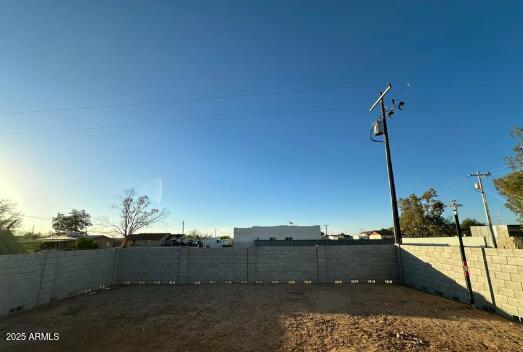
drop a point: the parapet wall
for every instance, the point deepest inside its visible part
(447, 241)
(496, 275)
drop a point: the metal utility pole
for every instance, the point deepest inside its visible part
(326, 227)
(455, 206)
(183, 227)
(479, 186)
(380, 128)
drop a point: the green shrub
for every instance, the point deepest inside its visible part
(86, 243)
(9, 244)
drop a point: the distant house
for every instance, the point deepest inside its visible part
(59, 243)
(149, 239)
(103, 241)
(374, 235)
(175, 240)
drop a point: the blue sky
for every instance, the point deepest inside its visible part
(287, 140)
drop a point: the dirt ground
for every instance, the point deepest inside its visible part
(282, 317)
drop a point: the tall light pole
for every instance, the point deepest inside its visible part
(479, 186)
(380, 128)
(455, 206)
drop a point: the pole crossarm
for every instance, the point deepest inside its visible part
(382, 95)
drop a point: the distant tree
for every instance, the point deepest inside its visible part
(467, 223)
(31, 236)
(197, 235)
(75, 221)
(135, 214)
(10, 217)
(511, 185)
(387, 232)
(422, 216)
(31, 241)
(225, 237)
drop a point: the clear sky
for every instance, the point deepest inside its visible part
(241, 113)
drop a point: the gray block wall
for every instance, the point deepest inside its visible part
(267, 264)
(361, 263)
(150, 264)
(285, 264)
(496, 275)
(27, 280)
(31, 279)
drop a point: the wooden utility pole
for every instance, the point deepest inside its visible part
(479, 186)
(390, 172)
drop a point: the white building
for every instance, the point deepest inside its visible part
(246, 236)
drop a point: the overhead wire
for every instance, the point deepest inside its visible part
(171, 122)
(257, 94)
(181, 100)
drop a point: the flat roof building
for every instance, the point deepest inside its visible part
(247, 235)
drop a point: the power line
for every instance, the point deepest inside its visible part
(468, 84)
(451, 186)
(160, 123)
(268, 93)
(501, 200)
(35, 217)
(464, 107)
(181, 100)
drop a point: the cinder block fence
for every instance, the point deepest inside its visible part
(496, 275)
(28, 280)
(323, 264)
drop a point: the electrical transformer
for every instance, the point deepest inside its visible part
(377, 127)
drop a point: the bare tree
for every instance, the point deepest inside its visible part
(135, 214)
(10, 217)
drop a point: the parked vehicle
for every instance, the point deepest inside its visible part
(216, 243)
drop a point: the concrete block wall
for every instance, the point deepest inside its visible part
(150, 264)
(361, 263)
(186, 265)
(27, 280)
(286, 263)
(496, 275)
(216, 264)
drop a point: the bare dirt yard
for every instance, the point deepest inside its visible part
(234, 317)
